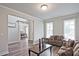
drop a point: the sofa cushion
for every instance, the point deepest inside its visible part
(63, 51)
(55, 40)
(75, 42)
(51, 37)
(61, 37)
(76, 47)
(46, 40)
(69, 51)
(56, 37)
(67, 44)
(70, 43)
(76, 53)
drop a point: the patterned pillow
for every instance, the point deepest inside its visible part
(75, 42)
(76, 53)
(65, 51)
(69, 43)
(76, 47)
(69, 52)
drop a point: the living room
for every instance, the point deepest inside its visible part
(22, 25)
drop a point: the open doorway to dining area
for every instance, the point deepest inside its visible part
(18, 35)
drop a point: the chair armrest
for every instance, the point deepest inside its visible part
(45, 40)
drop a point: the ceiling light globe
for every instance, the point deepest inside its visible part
(44, 7)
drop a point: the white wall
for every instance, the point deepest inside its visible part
(3, 32)
(58, 27)
(31, 31)
(58, 23)
(38, 30)
(77, 28)
(4, 12)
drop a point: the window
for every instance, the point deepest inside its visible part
(49, 29)
(69, 29)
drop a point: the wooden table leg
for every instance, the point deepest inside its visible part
(50, 51)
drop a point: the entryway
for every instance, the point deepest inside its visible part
(18, 36)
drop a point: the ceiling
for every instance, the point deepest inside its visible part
(54, 9)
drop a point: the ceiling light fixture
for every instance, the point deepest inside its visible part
(44, 7)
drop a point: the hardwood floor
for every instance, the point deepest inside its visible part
(20, 49)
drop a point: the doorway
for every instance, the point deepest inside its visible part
(18, 35)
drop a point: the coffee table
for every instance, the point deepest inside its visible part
(38, 49)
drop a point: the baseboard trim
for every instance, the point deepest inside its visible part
(3, 53)
(11, 43)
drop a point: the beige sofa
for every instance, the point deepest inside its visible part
(55, 40)
(69, 48)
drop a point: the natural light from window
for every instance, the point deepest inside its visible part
(69, 29)
(49, 29)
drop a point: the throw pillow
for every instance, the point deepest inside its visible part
(76, 47)
(76, 53)
(70, 43)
